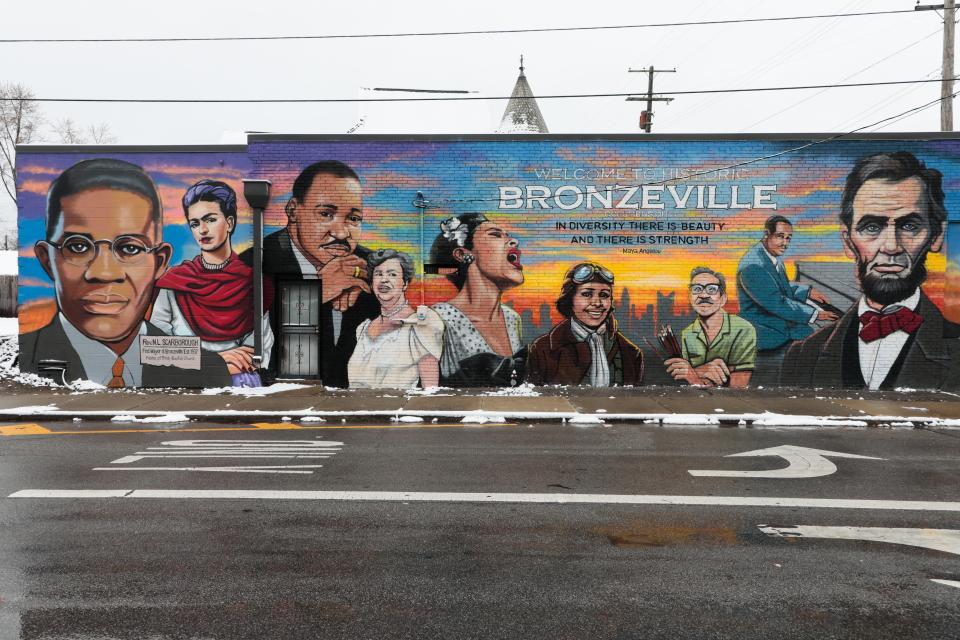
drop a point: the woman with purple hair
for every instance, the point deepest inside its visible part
(211, 296)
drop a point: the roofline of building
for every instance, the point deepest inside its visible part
(130, 148)
(896, 135)
(480, 137)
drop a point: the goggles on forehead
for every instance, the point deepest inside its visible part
(586, 271)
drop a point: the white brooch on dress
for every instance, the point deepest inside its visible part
(453, 229)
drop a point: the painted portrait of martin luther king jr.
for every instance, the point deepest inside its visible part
(321, 241)
(104, 252)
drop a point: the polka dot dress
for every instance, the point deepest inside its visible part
(462, 340)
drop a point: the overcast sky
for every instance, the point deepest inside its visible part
(863, 49)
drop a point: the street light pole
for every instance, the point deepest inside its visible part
(257, 195)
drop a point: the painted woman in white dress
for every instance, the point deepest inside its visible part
(482, 344)
(401, 347)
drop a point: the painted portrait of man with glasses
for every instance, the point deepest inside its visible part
(719, 349)
(104, 251)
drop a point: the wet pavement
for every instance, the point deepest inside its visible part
(366, 529)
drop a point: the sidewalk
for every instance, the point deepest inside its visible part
(666, 405)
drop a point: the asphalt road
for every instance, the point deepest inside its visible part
(379, 540)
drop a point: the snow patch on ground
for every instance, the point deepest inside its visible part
(165, 418)
(406, 419)
(525, 390)
(779, 420)
(32, 409)
(312, 419)
(86, 385)
(691, 419)
(948, 423)
(429, 391)
(9, 350)
(585, 419)
(482, 417)
(253, 392)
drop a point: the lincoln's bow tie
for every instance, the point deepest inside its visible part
(880, 325)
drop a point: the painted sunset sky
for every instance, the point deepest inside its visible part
(465, 176)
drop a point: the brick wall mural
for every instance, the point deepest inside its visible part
(495, 262)
(113, 286)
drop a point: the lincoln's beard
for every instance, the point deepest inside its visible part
(896, 286)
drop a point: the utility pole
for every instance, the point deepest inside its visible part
(646, 117)
(946, 89)
(946, 86)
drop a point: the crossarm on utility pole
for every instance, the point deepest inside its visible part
(647, 122)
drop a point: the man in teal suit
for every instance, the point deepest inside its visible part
(779, 310)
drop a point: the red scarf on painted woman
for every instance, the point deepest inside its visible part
(217, 304)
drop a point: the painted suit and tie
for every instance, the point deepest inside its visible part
(779, 310)
(776, 308)
(892, 215)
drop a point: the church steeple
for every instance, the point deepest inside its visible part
(522, 114)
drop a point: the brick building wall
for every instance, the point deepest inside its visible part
(647, 209)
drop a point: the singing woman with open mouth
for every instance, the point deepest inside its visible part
(482, 344)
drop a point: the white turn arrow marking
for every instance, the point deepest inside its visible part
(804, 463)
(949, 583)
(947, 540)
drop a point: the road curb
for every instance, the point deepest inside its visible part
(491, 417)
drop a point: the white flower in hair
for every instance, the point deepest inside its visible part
(453, 229)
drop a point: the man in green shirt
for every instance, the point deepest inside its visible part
(719, 348)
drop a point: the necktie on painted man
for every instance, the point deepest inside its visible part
(116, 382)
(880, 325)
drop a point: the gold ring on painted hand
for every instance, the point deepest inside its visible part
(356, 272)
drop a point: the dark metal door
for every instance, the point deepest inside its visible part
(300, 329)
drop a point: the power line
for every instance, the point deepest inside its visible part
(852, 75)
(559, 96)
(787, 50)
(652, 25)
(878, 106)
(743, 163)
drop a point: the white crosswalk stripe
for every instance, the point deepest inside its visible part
(237, 449)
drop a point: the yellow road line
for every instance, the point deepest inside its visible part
(23, 430)
(37, 430)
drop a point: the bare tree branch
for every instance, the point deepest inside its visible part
(20, 118)
(69, 132)
(101, 134)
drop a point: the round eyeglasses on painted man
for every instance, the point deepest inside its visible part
(80, 250)
(710, 289)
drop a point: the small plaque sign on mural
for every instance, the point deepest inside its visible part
(170, 351)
